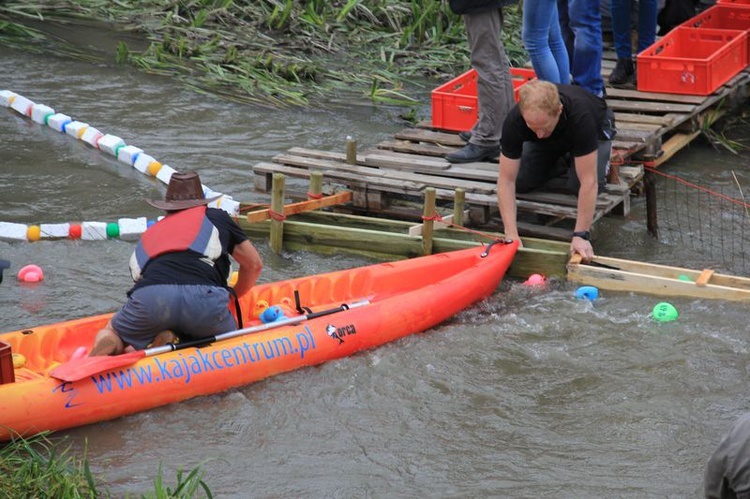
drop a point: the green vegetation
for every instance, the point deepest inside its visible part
(277, 52)
(37, 467)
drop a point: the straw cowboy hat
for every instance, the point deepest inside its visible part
(184, 191)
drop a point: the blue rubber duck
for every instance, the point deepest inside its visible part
(272, 314)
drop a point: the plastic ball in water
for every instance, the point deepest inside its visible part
(271, 314)
(587, 293)
(665, 312)
(535, 280)
(30, 273)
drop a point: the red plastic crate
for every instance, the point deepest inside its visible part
(723, 16)
(693, 61)
(454, 104)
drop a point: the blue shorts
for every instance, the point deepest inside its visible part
(190, 311)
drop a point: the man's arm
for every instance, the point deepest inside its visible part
(506, 195)
(250, 266)
(587, 175)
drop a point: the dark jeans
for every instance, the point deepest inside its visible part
(541, 162)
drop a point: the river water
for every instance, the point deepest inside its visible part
(529, 394)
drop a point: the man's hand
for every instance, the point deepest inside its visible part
(582, 247)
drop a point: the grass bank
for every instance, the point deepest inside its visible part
(273, 52)
(39, 467)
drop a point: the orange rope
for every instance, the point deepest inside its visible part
(279, 217)
(704, 189)
(437, 217)
(311, 195)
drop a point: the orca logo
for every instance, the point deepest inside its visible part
(338, 333)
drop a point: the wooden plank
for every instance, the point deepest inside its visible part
(704, 277)
(294, 208)
(401, 161)
(665, 120)
(629, 276)
(621, 93)
(312, 237)
(420, 135)
(407, 146)
(343, 177)
(369, 173)
(649, 107)
(674, 144)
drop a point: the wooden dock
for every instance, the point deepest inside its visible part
(389, 180)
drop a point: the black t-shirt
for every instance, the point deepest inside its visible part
(189, 267)
(577, 131)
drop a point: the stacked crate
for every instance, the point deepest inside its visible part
(700, 55)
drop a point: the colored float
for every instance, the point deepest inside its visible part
(56, 388)
(127, 229)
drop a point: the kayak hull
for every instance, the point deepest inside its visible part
(404, 297)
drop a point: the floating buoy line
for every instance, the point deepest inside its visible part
(128, 229)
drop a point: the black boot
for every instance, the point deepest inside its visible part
(472, 152)
(623, 74)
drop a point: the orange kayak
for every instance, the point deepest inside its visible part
(324, 317)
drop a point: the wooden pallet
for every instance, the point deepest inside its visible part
(651, 127)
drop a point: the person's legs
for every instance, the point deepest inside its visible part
(148, 311)
(540, 21)
(602, 168)
(494, 85)
(586, 23)
(621, 28)
(647, 13)
(565, 30)
(204, 312)
(557, 46)
(539, 164)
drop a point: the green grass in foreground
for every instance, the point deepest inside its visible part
(37, 467)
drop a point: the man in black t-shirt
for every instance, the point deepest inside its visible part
(553, 128)
(180, 267)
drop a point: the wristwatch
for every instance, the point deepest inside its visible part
(586, 235)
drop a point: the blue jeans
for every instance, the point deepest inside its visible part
(621, 25)
(544, 42)
(581, 25)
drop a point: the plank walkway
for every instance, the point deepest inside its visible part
(389, 180)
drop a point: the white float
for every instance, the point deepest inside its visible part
(58, 121)
(10, 231)
(91, 136)
(142, 162)
(6, 97)
(227, 204)
(110, 144)
(165, 173)
(94, 231)
(76, 128)
(132, 228)
(22, 105)
(40, 113)
(128, 154)
(54, 231)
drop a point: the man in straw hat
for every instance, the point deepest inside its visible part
(180, 268)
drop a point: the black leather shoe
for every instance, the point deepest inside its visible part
(465, 136)
(472, 152)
